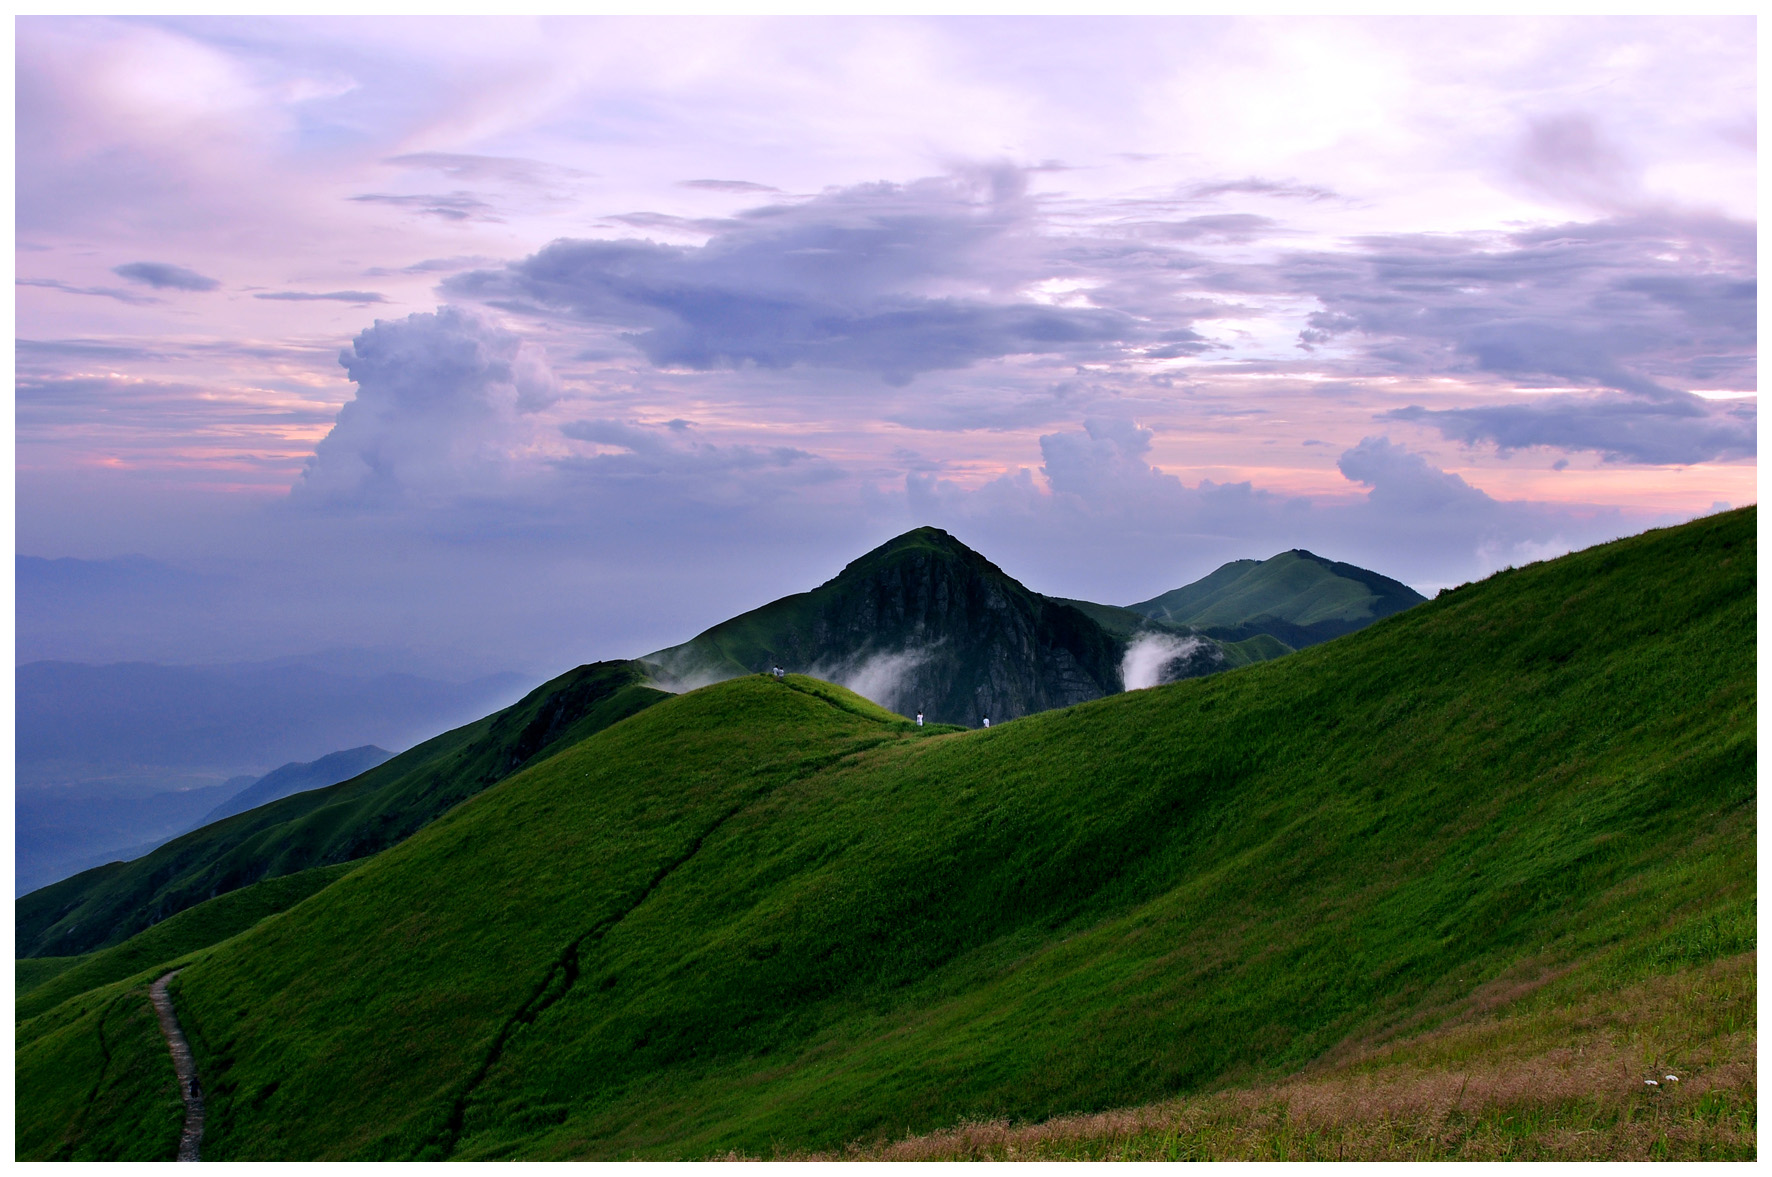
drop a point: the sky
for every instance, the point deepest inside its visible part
(510, 344)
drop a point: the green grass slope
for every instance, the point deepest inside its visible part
(1297, 597)
(95, 1081)
(197, 927)
(760, 917)
(347, 821)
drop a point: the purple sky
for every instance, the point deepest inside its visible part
(519, 343)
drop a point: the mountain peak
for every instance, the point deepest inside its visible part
(919, 541)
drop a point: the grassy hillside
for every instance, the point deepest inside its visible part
(1298, 597)
(95, 1081)
(347, 821)
(197, 927)
(766, 916)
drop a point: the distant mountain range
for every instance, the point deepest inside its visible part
(299, 778)
(61, 830)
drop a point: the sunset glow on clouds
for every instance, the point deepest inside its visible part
(552, 340)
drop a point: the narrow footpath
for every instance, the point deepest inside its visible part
(192, 1138)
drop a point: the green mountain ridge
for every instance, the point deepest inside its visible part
(770, 914)
(924, 623)
(1296, 597)
(921, 623)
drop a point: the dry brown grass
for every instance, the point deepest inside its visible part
(1524, 1076)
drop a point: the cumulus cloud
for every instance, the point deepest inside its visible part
(892, 279)
(163, 276)
(444, 411)
(1406, 480)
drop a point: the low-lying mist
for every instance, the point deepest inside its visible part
(1149, 654)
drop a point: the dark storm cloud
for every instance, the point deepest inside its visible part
(454, 206)
(895, 280)
(1661, 431)
(356, 296)
(162, 276)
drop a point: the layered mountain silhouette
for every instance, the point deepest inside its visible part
(924, 623)
(920, 624)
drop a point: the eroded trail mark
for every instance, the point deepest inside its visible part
(191, 1139)
(559, 980)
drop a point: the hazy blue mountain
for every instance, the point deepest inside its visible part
(1297, 596)
(299, 778)
(61, 830)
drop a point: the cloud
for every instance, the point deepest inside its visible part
(674, 466)
(897, 280)
(1229, 227)
(1662, 431)
(128, 296)
(1105, 519)
(1255, 186)
(1105, 461)
(434, 265)
(1404, 479)
(1644, 307)
(162, 276)
(444, 412)
(455, 206)
(726, 186)
(505, 169)
(1567, 157)
(357, 296)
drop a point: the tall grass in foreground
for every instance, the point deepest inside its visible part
(1562, 1077)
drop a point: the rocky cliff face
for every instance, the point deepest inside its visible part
(921, 623)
